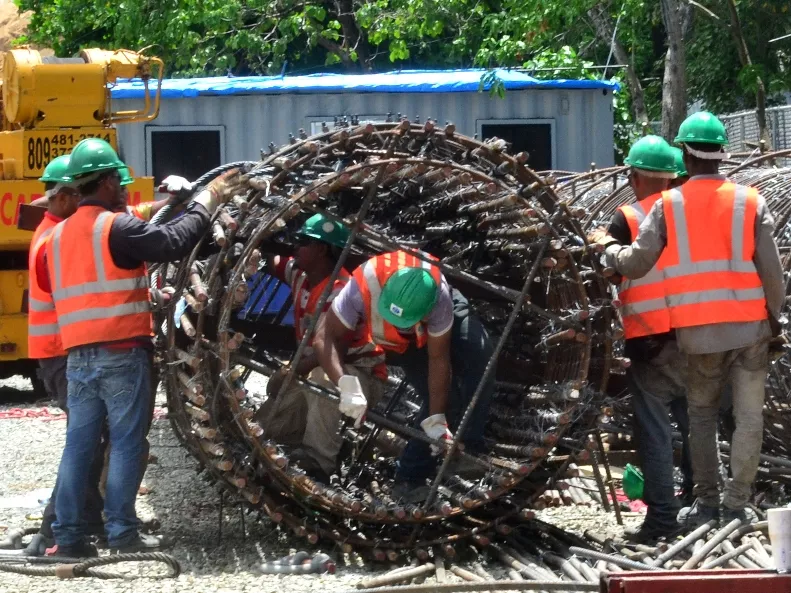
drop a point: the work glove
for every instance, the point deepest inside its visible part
(220, 190)
(178, 187)
(601, 236)
(353, 402)
(437, 428)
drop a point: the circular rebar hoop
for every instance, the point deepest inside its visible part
(503, 237)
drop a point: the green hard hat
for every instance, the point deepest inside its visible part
(91, 156)
(702, 127)
(652, 153)
(678, 155)
(126, 176)
(55, 172)
(323, 229)
(407, 297)
(633, 482)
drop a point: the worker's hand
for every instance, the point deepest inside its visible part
(353, 402)
(178, 187)
(219, 191)
(437, 428)
(276, 382)
(601, 236)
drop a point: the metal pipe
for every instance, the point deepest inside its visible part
(611, 558)
(489, 586)
(715, 541)
(689, 540)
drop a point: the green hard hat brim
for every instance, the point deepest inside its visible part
(403, 322)
(406, 321)
(317, 237)
(56, 163)
(695, 140)
(641, 167)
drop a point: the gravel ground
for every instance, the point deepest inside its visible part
(188, 509)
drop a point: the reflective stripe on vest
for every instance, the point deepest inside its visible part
(645, 311)
(710, 276)
(371, 276)
(43, 333)
(361, 351)
(96, 301)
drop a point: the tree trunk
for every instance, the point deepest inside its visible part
(604, 31)
(674, 82)
(744, 58)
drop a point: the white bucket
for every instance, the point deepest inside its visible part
(780, 535)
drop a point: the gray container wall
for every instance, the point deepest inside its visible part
(583, 119)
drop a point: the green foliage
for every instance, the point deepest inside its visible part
(550, 39)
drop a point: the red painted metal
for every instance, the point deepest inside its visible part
(698, 581)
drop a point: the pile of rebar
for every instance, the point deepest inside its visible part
(510, 239)
(503, 238)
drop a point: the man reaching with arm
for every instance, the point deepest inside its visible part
(408, 308)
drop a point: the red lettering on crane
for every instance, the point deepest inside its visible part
(6, 218)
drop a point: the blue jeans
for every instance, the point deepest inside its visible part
(658, 389)
(116, 385)
(470, 350)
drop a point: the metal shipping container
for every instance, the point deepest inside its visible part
(563, 124)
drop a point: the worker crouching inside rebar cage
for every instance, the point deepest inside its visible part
(406, 306)
(394, 303)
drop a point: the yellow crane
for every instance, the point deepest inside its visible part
(48, 105)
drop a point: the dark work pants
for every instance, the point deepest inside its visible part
(470, 351)
(53, 373)
(658, 390)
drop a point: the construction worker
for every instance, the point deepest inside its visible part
(44, 341)
(95, 262)
(408, 308)
(656, 373)
(298, 418)
(45, 345)
(724, 283)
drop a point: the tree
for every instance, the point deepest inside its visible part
(665, 58)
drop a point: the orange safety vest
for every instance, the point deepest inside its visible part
(710, 276)
(371, 277)
(43, 334)
(96, 301)
(644, 311)
(361, 350)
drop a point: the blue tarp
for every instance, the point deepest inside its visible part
(404, 81)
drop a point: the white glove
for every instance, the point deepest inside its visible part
(173, 184)
(437, 428)
(353, 402)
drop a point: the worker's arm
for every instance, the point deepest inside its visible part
(619, 229)
(636, 260)
(767, 260)
(345, 313)
(439, 373)
(328, 345)
(134, 241)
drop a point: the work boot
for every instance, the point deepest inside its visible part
(697, 514)
(746, 515)
(410, 491)
(82, 550)
(685, 497)
(651, 531)
(38, 545)
(142, 543)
